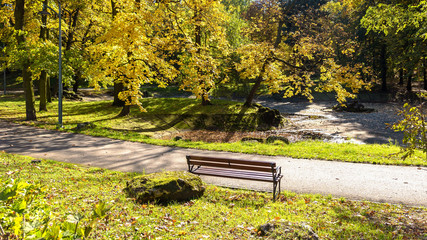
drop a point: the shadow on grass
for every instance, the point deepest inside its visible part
(237, 123)
(383, 220)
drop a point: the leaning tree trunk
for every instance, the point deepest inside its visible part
(260, 78)
(251, 95)
(26, 75)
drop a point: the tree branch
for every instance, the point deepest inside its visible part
(288, 64)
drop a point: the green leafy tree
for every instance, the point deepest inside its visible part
(20, 27)
(404, 25)
(413, 126)
(134, 51)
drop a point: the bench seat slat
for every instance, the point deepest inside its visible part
(232, 171)
(234, 166)
(238, 161)
(233, 174)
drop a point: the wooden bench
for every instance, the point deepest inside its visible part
(235, 168)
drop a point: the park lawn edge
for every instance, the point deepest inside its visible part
(385, 154)
(382, 154)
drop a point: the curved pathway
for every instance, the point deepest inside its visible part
(392, 184)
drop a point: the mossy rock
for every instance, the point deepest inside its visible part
(287, 230)
(165, 187)
(272, 139)
(269, 118)
(353, 106)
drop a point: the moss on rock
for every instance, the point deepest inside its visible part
(287, 230)
(165, 187)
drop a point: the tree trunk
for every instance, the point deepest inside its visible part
(43, 75)
(425, 73)
(49, 91)
(409, 83)
(118, 87)
(43, 91)
(76, 84)
(198, 40)
(383, 63)
(401, 77)
(77, 81)
(251, 96)
(113, 9)
(73, 22)
(205, 100)
(26, 75)
(30, 109)
(125, 111)
(259, 79)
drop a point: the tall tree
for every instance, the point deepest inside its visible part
(118, 86)
(200, 27)
(404, 24)
(292, 50)
(19, 15)
(135, 50)
(43, 80)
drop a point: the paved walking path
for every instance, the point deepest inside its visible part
(392, 184)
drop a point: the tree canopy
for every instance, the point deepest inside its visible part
(292, 47)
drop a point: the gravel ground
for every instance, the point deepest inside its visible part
(360, 127)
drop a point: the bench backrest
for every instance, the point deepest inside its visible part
(258, 166)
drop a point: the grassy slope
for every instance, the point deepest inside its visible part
(160, 116)
(220, 214)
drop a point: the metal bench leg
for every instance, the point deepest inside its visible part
(274, 191)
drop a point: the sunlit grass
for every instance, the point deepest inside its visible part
(163, 115)
(220, 213)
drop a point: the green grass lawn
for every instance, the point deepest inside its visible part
(70, 192)
(163, 114)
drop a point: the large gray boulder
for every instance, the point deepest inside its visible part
(165, 187)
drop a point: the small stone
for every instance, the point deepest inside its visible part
(177, 138)
(252, 139)
(265, 228)
(85, 125)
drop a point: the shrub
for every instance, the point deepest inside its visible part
(413, 126)
(23, 215)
